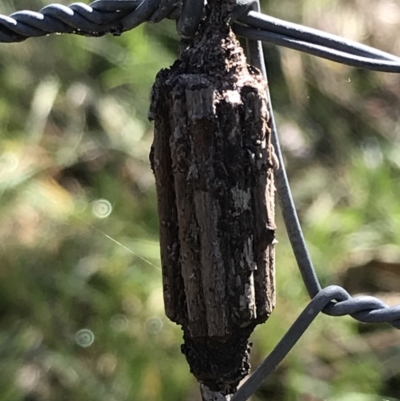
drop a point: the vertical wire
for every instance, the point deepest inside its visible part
(288, 209)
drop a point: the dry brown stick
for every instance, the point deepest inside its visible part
(212, 160)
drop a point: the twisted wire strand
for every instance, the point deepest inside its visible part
(118, 16)
(318, 304)
(330, 299)
(96, 19)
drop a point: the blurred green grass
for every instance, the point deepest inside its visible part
(73, 133)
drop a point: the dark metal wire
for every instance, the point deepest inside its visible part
(364, 309)
(332, 300)
(312, 41)
(118, 16)
(318, 304)
(342, 57)
(292, 224)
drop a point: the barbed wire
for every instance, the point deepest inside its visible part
(118, 16)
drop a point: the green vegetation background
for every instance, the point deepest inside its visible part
(74, 141)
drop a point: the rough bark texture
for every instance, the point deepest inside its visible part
(212, 161)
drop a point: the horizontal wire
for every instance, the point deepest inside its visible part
(311, 35)
(118, 16)
(95, 19)
(338, 56)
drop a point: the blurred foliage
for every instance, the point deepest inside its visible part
(81, 310)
